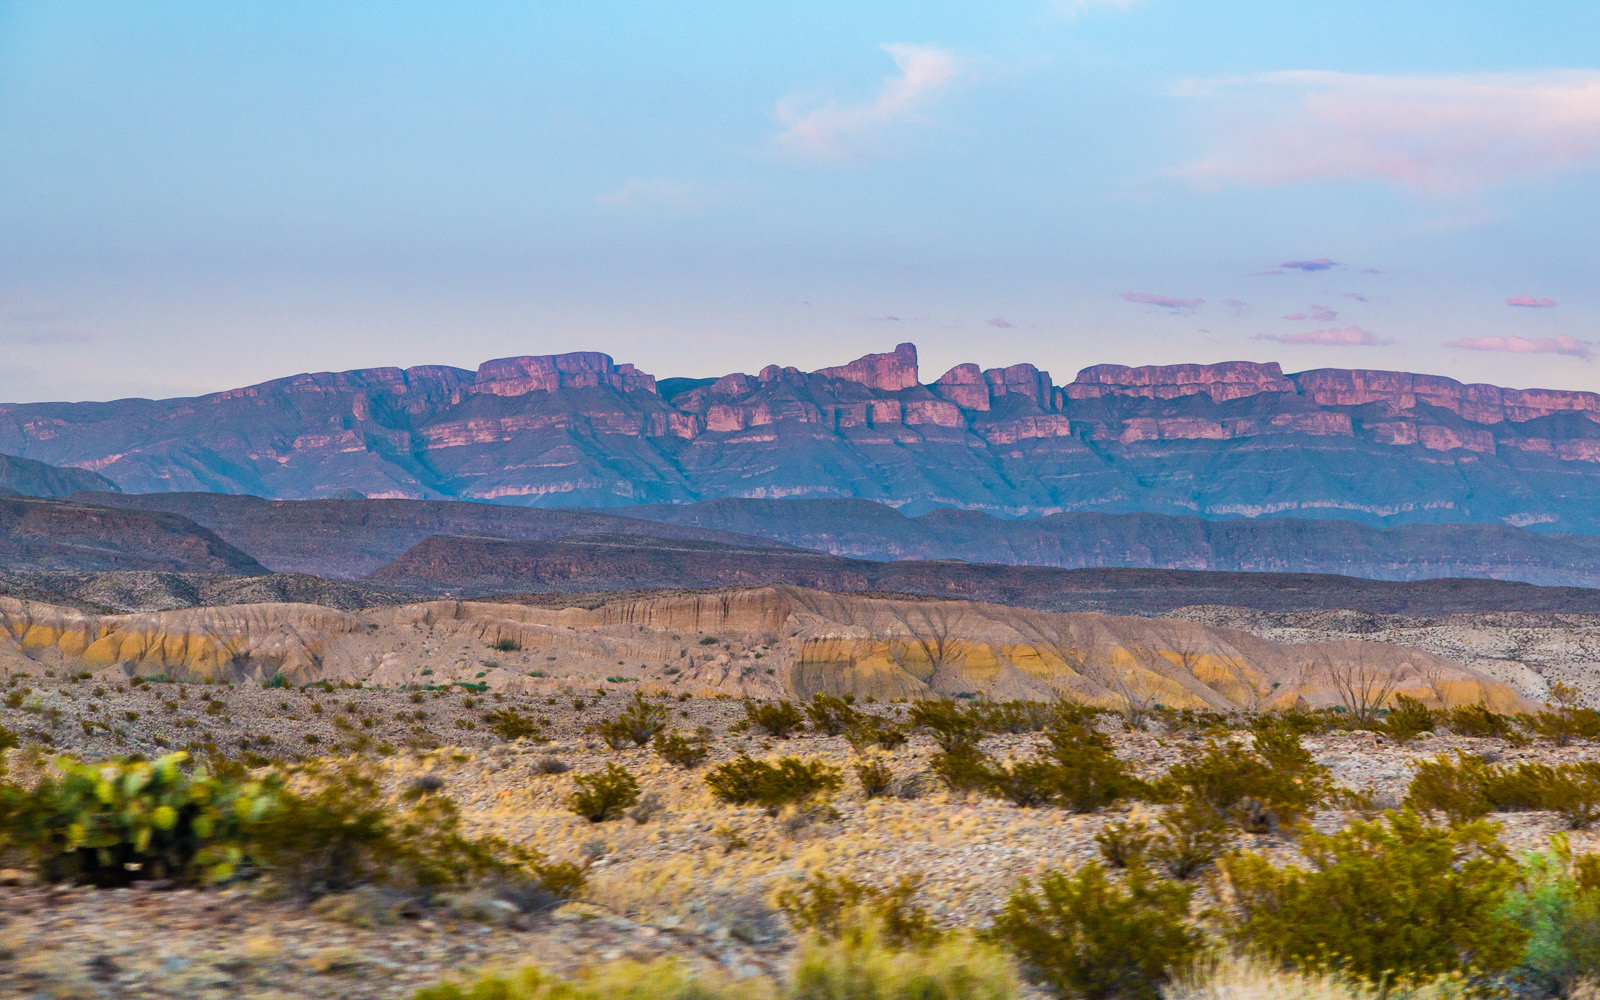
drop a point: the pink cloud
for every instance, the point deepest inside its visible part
(1320, 264)
(1436, 134)
(1345, 336)
(1296, 316)
(1530, 302)
(1001, 323)
(1171, 302)
(845, 133)
(1522, 345)
(1323, 314)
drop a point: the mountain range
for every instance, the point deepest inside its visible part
(1217, 441)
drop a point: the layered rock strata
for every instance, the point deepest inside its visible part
(1234, 439)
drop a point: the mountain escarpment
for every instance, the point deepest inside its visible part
(1233, 439)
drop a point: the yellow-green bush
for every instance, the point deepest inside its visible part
(1270, 784)
(604, 795)
(1391, 901)
(844, 909)
(638, 723)
(118, 822)
(684, 751)
(788, 781)
(776, 719)
(1086, 935)
(1469, 787)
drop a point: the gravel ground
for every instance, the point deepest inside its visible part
(694, 879)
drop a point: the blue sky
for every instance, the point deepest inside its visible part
(200, 195)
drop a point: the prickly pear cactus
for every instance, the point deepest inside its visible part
(122, 821)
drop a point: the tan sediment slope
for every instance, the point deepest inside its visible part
(764, 641)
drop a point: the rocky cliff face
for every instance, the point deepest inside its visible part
(773, 641)
(577, 429)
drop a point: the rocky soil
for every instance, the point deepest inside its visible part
(686, 877)
(1527, 651)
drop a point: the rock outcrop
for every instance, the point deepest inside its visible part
(1234, 439)
(770, 641)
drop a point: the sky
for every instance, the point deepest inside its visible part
(195, 196)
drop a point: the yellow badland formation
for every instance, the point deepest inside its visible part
(765, 641)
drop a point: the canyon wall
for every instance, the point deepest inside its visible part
(1235, 439)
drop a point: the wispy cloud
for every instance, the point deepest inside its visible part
(1322, 314)
(1344, 336)
(1356, 296)
(1001, 323)
(844, 133)
(1169, 302)
(658, 192)
(1522, 345)
(1436, 134)
(1320, 264)
(1529, 302)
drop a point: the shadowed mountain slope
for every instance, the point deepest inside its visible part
(29, 478)
(479, 566)
(37, 534)
(867, 530)
(345, 539)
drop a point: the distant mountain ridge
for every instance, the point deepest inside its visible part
(1217, 441)
(347, 539)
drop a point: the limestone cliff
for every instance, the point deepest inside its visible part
(579, 429)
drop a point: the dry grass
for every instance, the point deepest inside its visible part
(1243, 978)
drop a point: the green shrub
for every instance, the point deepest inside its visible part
(1124, 845)
(1477, 720)
(510, 724)
(874, 731)
(1023, 716)
(1408, 719)
(1558, 907)
(1568, 721)
(1076, 770)
(962, 768)
(506, 645)
(334, 831)
(832, 716)
(118, 822)
(685, 751)
(1270, 784)
(1087, 936)
(1395, 901)
(776, 719)
(788, 781)
(604, 795)
(1469, 787)
(1192, 837)
(843, 909)
(876, 778)
(638, 723)
(950, 724)
(1454, 788)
